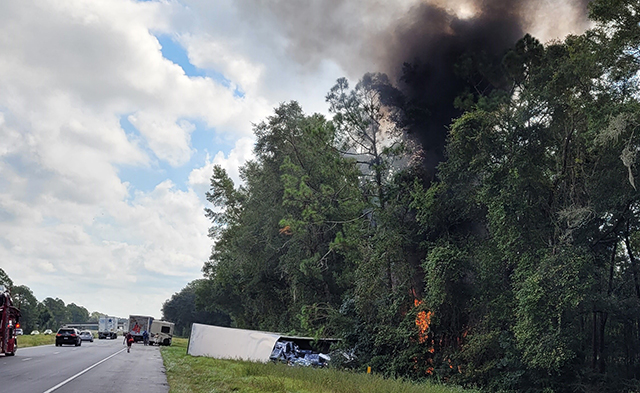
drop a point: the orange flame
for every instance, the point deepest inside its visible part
(423, 320)
(286, 230)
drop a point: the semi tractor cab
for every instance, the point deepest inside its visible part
(9, 322)
(161, 333)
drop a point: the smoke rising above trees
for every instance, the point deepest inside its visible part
(363, 35)
(437, 52)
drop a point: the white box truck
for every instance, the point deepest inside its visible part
(107, 327)
(138, 324)
(161, 333)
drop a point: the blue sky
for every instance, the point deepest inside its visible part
(204, 143)
(204, 140)
(173, 51)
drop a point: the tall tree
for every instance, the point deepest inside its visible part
(45, 318)
(384, 244)
(24, 299)
(274, 255)
(95, 316)
(367, 119)
(58, 311)
(5, 280)
(77, 313)
(183, 310)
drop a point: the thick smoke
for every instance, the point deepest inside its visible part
(433, 44)
(420, 44)
(439, 55)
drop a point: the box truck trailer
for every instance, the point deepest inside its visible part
(138, 324)
(107, 327)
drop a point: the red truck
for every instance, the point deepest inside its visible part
(9, 322)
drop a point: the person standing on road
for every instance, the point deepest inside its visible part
(145, 337)
(128, 339)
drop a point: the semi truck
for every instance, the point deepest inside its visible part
(107, 327)
(138, 324)
(9, 322)
(161, 333)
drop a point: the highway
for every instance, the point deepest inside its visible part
(103, 366)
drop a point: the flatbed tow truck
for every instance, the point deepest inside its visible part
(9, 322)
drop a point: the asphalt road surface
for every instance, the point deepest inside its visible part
(103, 366)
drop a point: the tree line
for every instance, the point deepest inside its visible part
(514, 268)
(49, 313)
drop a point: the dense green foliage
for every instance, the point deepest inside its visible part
(182, 310)
(515, 270)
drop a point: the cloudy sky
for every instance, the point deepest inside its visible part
(113, 112)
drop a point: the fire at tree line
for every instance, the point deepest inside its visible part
(497, 248)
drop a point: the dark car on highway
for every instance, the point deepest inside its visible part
(68, 336)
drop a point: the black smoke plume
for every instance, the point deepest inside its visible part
(433, 51)
(446, 57)
(439, 57)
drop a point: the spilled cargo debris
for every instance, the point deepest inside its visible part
(290, 353)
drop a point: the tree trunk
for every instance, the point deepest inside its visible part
(612, 268)
(632, 260)
(594, 340)
(601, 362)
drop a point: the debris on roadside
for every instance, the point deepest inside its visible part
(290, 353)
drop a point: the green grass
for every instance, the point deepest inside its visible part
(200, 374)
(32, 341)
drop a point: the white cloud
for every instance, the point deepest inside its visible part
(200, 178)
(169, 140)
(208, 53)
(71, 226)
(162, 233)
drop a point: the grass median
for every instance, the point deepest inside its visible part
(186, 373)
(35, 340)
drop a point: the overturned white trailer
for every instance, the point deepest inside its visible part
(229, 343)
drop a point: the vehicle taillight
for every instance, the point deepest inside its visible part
(58, 335)
(73, 335)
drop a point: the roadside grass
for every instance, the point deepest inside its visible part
(32, 341)
(187, 374)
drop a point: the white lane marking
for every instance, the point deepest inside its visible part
(24, 360)
(35, 347)
(66, 381)
(55, 353)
